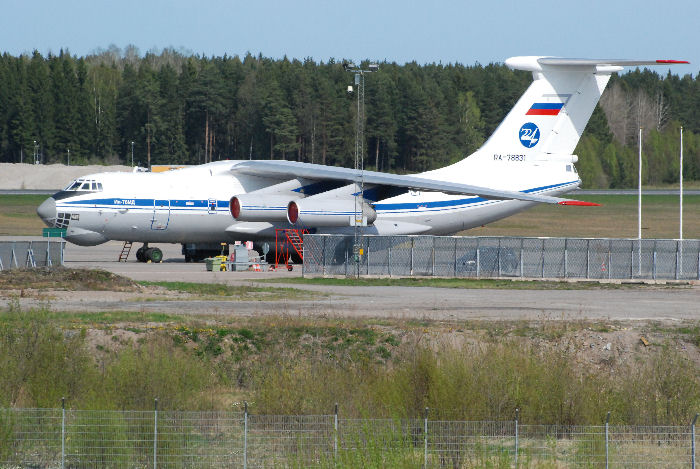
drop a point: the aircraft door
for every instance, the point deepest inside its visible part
(161, 214)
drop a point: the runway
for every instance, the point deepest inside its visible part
(648, 302)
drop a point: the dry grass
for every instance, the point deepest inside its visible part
(58, 278)
(617, 218)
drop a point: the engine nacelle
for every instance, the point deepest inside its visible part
(328, 212)
(258, 207)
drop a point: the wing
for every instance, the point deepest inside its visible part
(289, 169)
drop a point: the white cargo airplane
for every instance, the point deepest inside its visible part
(527, 160)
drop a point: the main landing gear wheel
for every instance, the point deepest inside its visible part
(145, 254)
(154, 255)
(141, 254)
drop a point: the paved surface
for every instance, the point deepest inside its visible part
(644, 303)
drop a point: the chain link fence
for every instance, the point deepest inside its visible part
(26, 254)
(57, 438)
(456, 256)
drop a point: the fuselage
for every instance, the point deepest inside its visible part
(191, 205)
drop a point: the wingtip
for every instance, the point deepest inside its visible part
(667, 61)
(579, 203)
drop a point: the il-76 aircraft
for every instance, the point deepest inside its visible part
(528, 160)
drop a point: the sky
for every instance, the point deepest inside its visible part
(401, 31)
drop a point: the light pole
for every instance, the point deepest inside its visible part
(132, 154)
(639, 209)
(69, 157)
(36, 153)
(359, 153)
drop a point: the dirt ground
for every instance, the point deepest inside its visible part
(603, 343)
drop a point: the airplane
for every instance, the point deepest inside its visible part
(527, 160)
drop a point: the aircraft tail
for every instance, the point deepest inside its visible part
(553, 112)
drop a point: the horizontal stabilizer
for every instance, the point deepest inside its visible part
(538, 64)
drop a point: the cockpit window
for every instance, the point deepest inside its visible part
(84, 185)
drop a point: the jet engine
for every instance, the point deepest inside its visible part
(258, 207)
(329, 212)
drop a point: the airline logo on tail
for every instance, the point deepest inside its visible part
(529, 135)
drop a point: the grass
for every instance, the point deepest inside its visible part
(18, 215)
(59, 278)
(617, 218)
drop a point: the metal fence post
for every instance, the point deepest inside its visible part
(677, 260)
(542, 258)
(588, 258)
(63, 432)
(245, 435)
(653, 268)
(335, 432)
(455, 264)
(155, 433)
(391, 241)
(692, 442)
(323, 255)
(498, 257)
(607, 435)
(478, 258)
(517, 414)
(609, 263)
(413, 242)
(425, 439)
(367, 255)
(433, 259)
(522, 251)
(566, 258)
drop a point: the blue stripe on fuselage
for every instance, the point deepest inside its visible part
(223, 205)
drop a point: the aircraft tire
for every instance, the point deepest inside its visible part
(140, 255)
(154, 255)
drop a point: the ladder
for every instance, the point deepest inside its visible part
(126, 249)
(284, 237)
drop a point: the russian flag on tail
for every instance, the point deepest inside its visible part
(545, 109)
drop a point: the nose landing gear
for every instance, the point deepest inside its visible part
(146, 254)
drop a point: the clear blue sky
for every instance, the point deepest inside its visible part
(393, 30)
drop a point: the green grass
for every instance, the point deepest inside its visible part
(18, 215)
(474, 284)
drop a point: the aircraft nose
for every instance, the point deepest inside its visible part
(47, 211)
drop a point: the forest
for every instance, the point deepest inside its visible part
(171, 107)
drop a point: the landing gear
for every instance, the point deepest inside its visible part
(145, 254)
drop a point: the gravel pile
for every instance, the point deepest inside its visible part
(17, 176)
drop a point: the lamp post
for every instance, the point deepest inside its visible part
(36, 153)
(132, 154)
(68, 156)
(639, 209)
(359, 83)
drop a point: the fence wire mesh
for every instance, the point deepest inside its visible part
(51, 438)
(27, 254)
(446, 256)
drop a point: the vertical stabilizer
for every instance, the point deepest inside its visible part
(553, 112)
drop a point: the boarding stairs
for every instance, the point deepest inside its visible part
(126, 249)
(287, 239)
